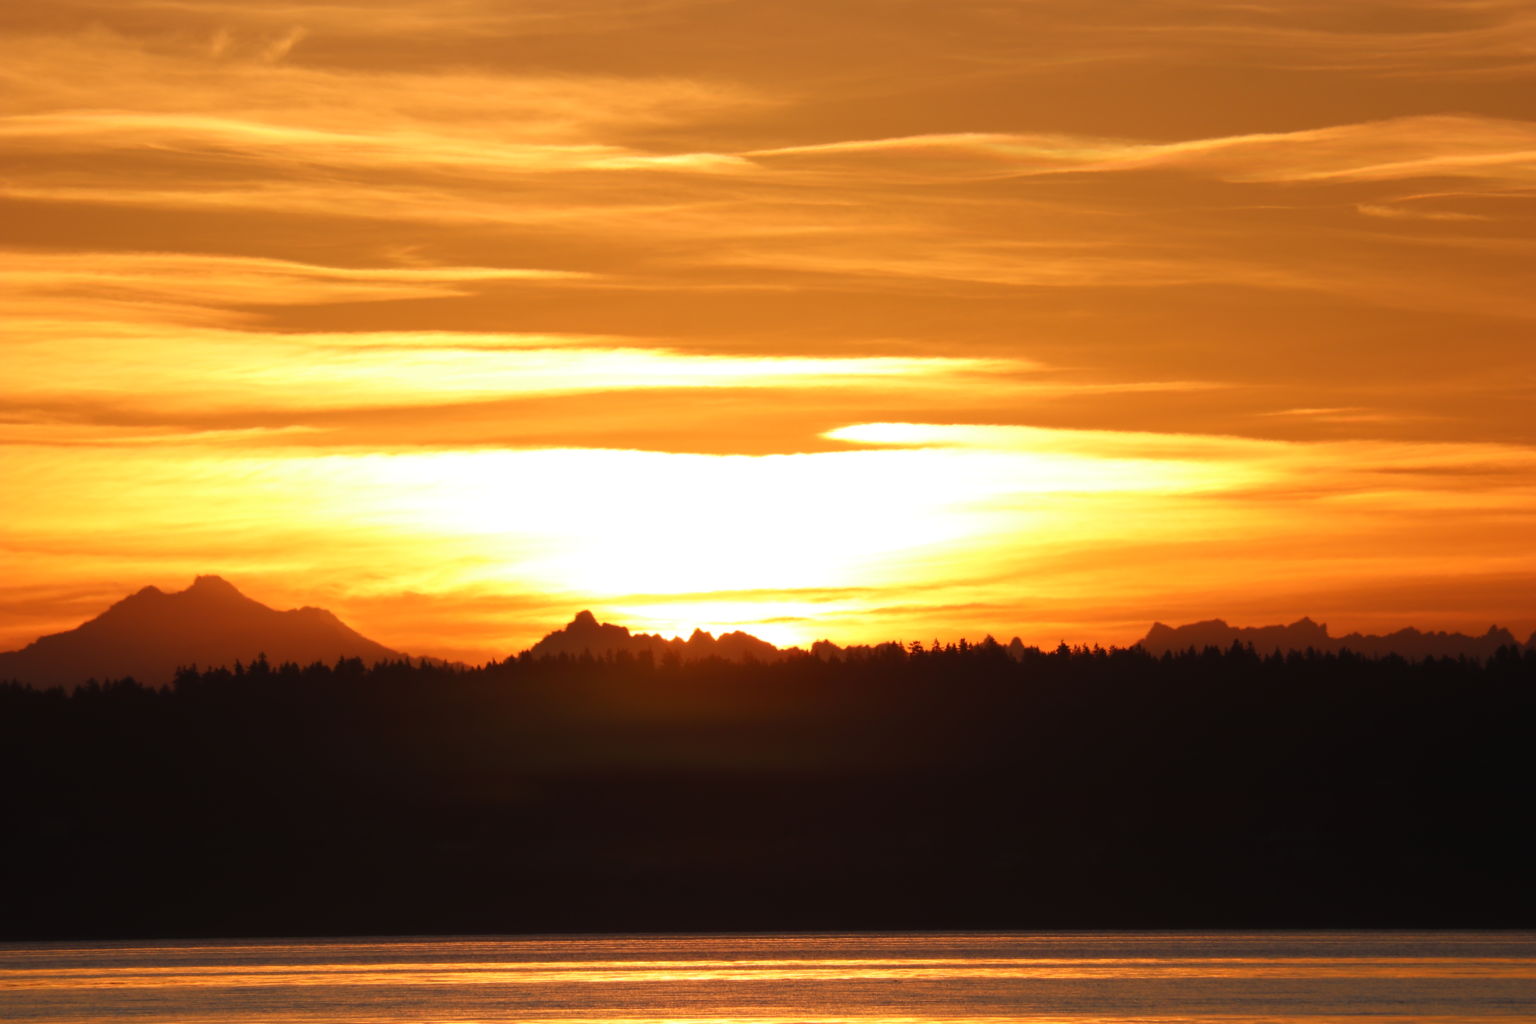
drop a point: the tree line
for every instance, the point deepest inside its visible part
(898, 786)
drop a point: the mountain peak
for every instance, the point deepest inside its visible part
(586, 636)
(151, 633)
(212, 585)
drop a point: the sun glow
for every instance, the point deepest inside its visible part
(801, 333)
(614, 523)
(912, 521)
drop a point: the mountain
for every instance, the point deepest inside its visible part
(1304, 633)
(585, 635)
(148, 635)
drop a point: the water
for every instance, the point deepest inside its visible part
(1382, 978)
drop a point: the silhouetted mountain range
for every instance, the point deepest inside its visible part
(1305, 634)
(150, 634)
(585, 635)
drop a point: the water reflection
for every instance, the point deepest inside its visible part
(936, 979)
(662, 971)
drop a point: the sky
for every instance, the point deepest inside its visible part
(857, 320)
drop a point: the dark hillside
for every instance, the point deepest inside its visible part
(945, 789)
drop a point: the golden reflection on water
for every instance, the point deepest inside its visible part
(643, 972)
(948, 978)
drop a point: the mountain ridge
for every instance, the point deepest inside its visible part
(1304, 634)
(585, 635)
(151, 633)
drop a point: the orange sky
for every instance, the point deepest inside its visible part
(859, 320)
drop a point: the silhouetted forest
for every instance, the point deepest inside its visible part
(904, 788)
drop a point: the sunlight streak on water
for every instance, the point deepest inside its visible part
(661, 971)
(893, 979)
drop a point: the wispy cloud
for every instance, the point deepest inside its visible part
(126, 90)
(856, 311)
(1400, 148)
(184, 279)
(1433, 39)
(427, 149)
(1339, 414)
(1390, 212)
(200, 368)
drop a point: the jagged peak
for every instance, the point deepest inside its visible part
(584, 620)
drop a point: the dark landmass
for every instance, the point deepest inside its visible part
(585, 635)
(884, 788)
(1304, 634)
(150, 634)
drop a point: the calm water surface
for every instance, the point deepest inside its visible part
(1384, 978)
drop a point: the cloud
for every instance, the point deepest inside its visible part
(1425, 38)
(426, 149)
(1340, 414)
(283, 45)
(155, 331)
(1433, 39)
(398, 296)
(1492, 149)
(453, 20)
(1348, 469)
(1410, 213)
(205, 368)
(903, 259)
(80, 278)
(170, 348)
(186, 96)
